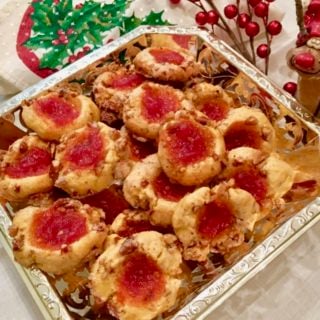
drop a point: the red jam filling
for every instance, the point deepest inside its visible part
(241, 134)
(33, 162)
(135, 226)
(127, 81)
(217, 110)
(169, 191)
(213, 218)
(157, 103)
(57, 226)
(111, 201)
(188, 142)
(139, 150)
(181, 40)
(253, 181)
(57, 109)
(86, 150)
(141, 281)
(162, 55)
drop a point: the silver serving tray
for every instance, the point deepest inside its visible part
(219, 289)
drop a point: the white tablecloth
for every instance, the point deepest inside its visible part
(288, 289)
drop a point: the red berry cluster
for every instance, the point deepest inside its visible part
(210, 17)
(246, 22)
(79, 54)
(62, 37)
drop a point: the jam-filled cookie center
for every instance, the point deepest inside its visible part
(167, 190)
(58, 226)
(188, 142)
(57, 109)
(127, 81)
(214, 218)
(157, 102)
(163, 55)
(215, 110)
(252, 180)
(140, 281)
(35, 161)
(243, 134)
(86, 150)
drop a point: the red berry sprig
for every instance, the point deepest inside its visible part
(246, 22)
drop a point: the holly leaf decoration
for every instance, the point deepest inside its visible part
(153, 18)
(66, 33)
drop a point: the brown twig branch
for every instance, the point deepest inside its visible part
(300, 15)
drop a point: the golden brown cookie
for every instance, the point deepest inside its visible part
(166, 64)
(111, 90)
(211, 100)
(26, 169)
(85, 160)
(149, 106)
(269, 179)
(54, 114)
(137, 277)
(248, 127)
(213, 220)
(190, 152)
(59, 238)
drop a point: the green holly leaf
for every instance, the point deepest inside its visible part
(42, 16)
(63, 8)
(153, 18)
(64, 30)
(94, 37)
(43, 40)
(54, 57)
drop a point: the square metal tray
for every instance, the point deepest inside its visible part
(212, 292)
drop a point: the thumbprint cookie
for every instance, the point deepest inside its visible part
(149, 106)
(26, 169)
(54, 114)
(166, 64)
(59, 238)
(137, 277)
(269, 180)
(190, 151)
(213, 220)
(85, 160)
(248, 127)
(111, 90)
(211, 100)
